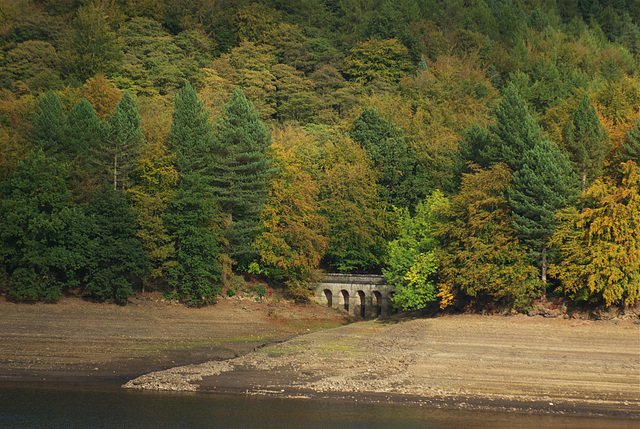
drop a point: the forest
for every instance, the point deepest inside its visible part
(469, 150)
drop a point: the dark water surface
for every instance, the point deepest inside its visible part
(45, 406)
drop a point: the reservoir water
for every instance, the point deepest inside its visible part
(70, 406)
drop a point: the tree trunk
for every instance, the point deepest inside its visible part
(226, 256)
(543, 276)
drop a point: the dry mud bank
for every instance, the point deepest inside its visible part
(78, 341)
(517, 363)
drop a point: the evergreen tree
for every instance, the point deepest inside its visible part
(115, 259)
(191, 134)
(386, 147)
(241, 173)
(587, 142)
(84, 131)
(631, 149)
(49, 126)
(192, 213)
(121, 143)
(544, 185)
(514, 132)
(36, 229)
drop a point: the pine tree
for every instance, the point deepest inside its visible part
(514, 132)
(587, 142)
(84, 131)
(631, 149)
(191, 134)
(544, 185)
(49, 126)
(192, 214)
(121, 143)
(241, 174)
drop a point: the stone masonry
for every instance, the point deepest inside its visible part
(362, 296)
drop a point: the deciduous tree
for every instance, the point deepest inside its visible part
(600, 247)
(357, 228)
(481, 253)
(36, 229)
(293, 242)
(400, 176)
(385, 60)
(411, 261)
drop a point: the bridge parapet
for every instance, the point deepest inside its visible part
(362, 296)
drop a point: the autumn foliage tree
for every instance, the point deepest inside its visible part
(293, 242)
(349, 200)
(600, 247)
(480, 253)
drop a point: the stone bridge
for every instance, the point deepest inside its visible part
(362, 296)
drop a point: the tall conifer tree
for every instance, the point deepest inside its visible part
(514, 132)
(115, 259)
(544, 185)
(122, 142)
(49, 126)
(587, 142)
(192, 212)
(241, 173)
(631, 149)
(84, 130)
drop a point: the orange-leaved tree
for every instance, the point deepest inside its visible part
(479, 252)
(600, 247)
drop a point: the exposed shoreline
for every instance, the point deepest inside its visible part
(595, 374)
(467, 362)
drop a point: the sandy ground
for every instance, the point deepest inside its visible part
(514, 363)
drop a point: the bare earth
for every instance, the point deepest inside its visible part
(515, 363)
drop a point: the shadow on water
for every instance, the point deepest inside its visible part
(93, 407)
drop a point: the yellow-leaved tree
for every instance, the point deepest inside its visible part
(480, 254)
(600, 247)
(292, 243)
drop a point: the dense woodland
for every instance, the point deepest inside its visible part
(469, 150)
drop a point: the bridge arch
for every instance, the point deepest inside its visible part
(345, 300)
(377, 303)
(329, 297)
